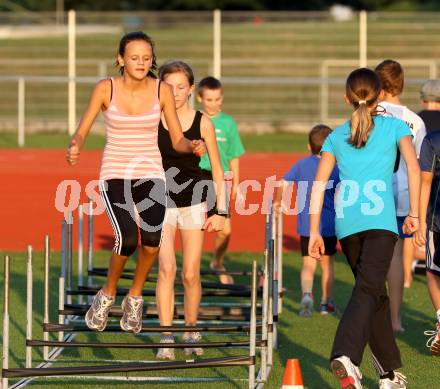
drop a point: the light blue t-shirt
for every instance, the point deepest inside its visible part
(365, 199)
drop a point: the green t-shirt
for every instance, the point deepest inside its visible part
(228, 141)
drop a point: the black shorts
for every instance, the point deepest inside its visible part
(134, 207)
(329, 244)
(433, 252)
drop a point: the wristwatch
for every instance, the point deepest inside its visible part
(221, 212)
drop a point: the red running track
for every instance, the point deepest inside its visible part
(30, 179)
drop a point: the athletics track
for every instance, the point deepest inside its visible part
(29, 180)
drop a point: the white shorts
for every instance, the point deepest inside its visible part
(187, 218)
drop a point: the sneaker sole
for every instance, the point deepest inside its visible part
(190, 351)
(170, 357)
(339, 371)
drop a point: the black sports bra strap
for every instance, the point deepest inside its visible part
(158, 90)
(111, 89)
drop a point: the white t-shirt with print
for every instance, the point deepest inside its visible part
(400, 178)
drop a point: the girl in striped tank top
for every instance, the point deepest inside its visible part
(132, 181)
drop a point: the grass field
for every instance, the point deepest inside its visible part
(309, 340)
(277, 142)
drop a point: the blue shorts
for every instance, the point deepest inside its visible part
(400, 220)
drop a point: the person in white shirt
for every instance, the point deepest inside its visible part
(392, 78)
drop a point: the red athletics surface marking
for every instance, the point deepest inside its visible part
(30, 179)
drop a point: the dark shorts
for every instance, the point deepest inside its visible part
(134, 207)
(329, 244)
(433, 252)
(402, 235)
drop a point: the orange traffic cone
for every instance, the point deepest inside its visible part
(292, 375)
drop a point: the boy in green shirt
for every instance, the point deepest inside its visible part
(210, 95)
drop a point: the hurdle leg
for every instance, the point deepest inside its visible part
(280, 260)
(253, 325)
(29, 308)
(270, 304)
(69, 256)
(5, 357)
(46, 317)
(61, 306)
(264, 329)
(80, 250)
(90, 247)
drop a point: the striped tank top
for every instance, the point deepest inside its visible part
(131, 150)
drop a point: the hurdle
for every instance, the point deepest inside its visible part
(241, 322)
(46, 371)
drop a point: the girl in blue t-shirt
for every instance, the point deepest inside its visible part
(365, 149)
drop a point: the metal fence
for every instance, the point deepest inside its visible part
(281, 70)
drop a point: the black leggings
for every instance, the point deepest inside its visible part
(367, 318)
(133, 207)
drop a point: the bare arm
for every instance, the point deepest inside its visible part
(325, 168)
(168, 106)
(234, 164)
(425, 191)
(409, 155)
(98, 99)
(208, 133)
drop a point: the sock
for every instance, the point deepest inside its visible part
(324, 301)
(438, 315)
(389, 375)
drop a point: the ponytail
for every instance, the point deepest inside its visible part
(362, 90)
(361, 125)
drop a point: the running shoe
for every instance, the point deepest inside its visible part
(399, 382)
(306, 307)
(347, 373)
(132, 307)
(331, 308)
(192, 337)
(166, 353)
(433, 342)
(97, 315)
(323, 309)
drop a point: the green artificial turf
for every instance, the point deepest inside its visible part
(310, 340)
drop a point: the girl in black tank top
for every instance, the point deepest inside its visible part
(185, 202)
(182, 170)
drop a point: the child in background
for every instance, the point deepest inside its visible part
(430, 98)
(365, 149)
(392, 79)
(303, 173)
(429, 232)
(210, 95)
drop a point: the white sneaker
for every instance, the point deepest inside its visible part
(433, 342)
(132, 308)
(347, 373)
(399, 382)
(306, 307)
(192, 337)
(166, 353)
(97, 315)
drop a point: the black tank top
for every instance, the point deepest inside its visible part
(181, 170)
